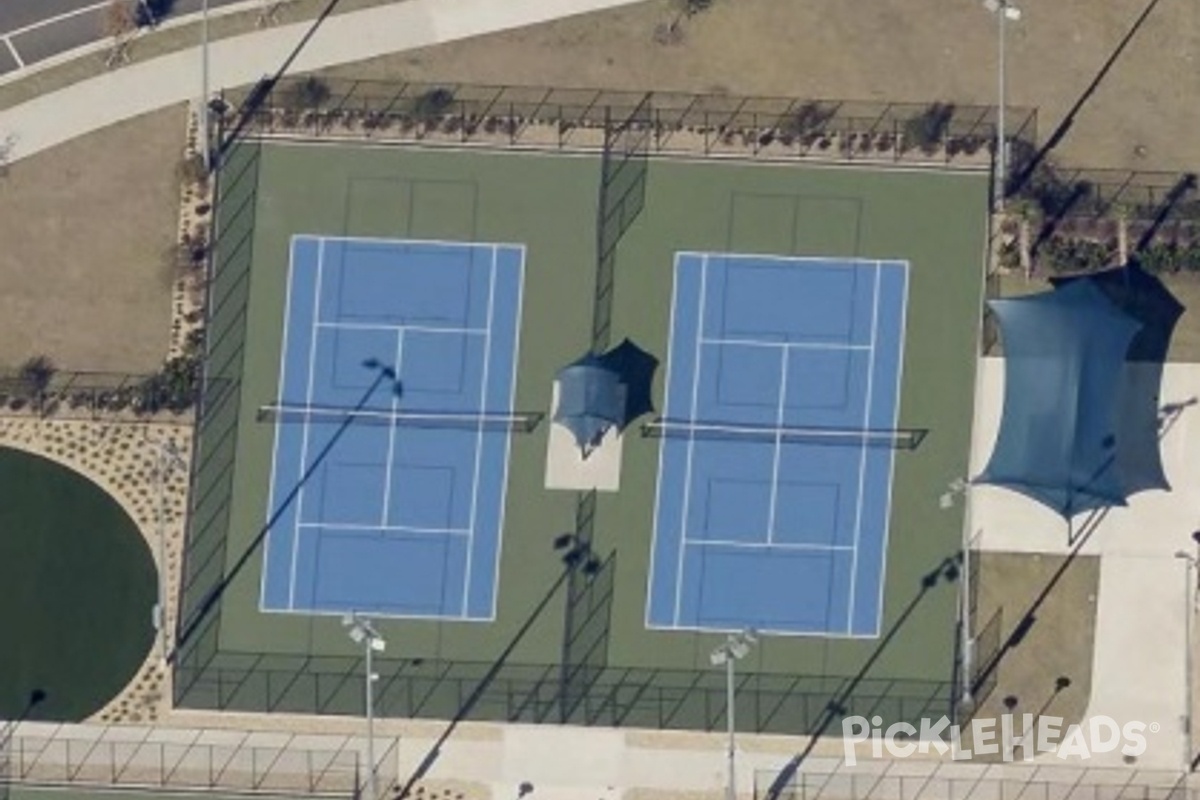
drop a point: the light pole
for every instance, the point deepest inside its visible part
(363, 632)
(959, 487)
(204, 98)
(735, 647)
(168, 457)
(1005, 12)
(1189, 608)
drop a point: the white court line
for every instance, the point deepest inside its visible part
(487, 360)
(862, 459)
(658, 489)
(374, 326)
(391, 446)
(287, 315)
(784, 345)
(887, 516)
(42, 23)
(763, 545)
(691, 445)
(312, 357)
(354, 526)
(783, 376)
(418, 242)
(512, 403)
(12, 49)
(765, 631)
(833, 261)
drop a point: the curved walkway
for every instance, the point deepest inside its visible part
(139, 88)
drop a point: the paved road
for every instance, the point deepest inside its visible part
(35, 30)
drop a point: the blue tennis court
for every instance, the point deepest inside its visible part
(782, 533)
(396, 519)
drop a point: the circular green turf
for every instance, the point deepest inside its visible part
(79, 586)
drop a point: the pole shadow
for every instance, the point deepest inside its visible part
(1184, 187)
(1021, 177)
(186, 631)
(1169, 415)
(949, 571)
(262, 90)
(579, 556)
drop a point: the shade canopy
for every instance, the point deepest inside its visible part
(599, 392)
(1143, 297)
(1073, 434)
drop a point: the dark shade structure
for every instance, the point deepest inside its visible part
(1072, 435)
(1143, 297)
(598, 392)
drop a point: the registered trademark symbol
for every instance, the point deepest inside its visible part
(1154, 727)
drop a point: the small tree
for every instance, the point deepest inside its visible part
(432, 104)
(928, 129)
(310, 93)
(36, 374)
(809, 119)
(120, 24)
(672, 32)
(192, 170)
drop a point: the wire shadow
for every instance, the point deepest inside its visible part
(1169, 415)
(1027, 170)
(9, 729)
(1178, 193)
(262, 90)
(213, 596)
(949, 571)
(578, 556)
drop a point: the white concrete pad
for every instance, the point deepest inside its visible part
(566, 468)
(1139, 666)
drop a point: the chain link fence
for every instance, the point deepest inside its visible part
(934, 780)
(161, 759)
(41, 389)
(564, 118)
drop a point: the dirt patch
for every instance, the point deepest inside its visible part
(84, 228)
(1048, 668)
(1139, 115)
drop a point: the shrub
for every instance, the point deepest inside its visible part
(36, 374)
(311, 92)
(807, 120)
(927, 130)
(1063, 254)
(192, 170)
(432, 104)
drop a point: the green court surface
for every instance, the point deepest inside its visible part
(576, 648)
(79, 585)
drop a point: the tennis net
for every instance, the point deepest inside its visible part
(891, 438)
(516, 422)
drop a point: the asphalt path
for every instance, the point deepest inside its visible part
(35, 30)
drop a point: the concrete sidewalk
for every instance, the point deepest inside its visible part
(139, 88)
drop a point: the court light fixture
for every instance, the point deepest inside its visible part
(1189, 609)
(735, 647)
(955, 488)
(362, 632)
(1011, 12)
